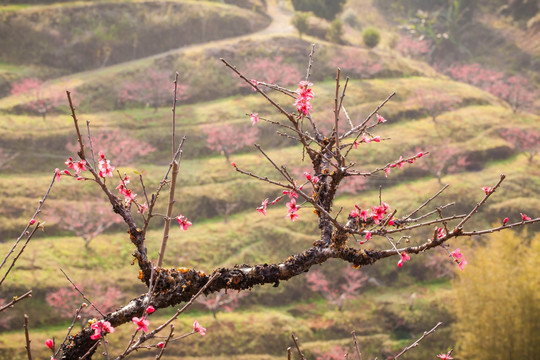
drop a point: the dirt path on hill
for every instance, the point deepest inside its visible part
(280, 24)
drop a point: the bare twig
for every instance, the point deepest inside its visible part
(36, 213)
(167, 224)
(426, 202)
(295, 340)
(416, 343)
(15, 300)
(356, 347)
(20, 253)
(171, 333)
(27, 337)
(82, 294)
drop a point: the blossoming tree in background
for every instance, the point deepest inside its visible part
(353, 281)
(344, 234)
(153, 89)
(226, 139)
(38, 98)
(87, 219)
(115, 141)
(525, 141)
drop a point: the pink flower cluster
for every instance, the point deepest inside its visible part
(459, 258)
(76, 166)
(129, 196)
(445, 356)
(401, 162)
(302, 102)
(378, 213)
(291, 206)
(104, 165)
(100, 327)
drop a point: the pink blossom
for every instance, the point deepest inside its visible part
(142, 323)
(49, 343)
(32, 221)
(293, 216)
(368, 236)
(440, 233)
(304, 96)
(198, 328)
(57, 172)
(377, 139)
(391, 222)
(67, 173)
(353, 214)
(445, 356)
(356, 143)
(292, 206)
(315, 179)
(254, 118)
(233, 164)
(404, 257)
(104, 165)
(386, 172)
(420, 154)
(363, 215)
(291, 193)
(462, 264)
(262, 209)
(380, 119)
(183, 221)
(366, 139)
(101, 327)
(276, 200)
(524, 217)
(307, 175)
(143, 208)
(457, 254)
(69, 163)
(487, 190)
(150, 309)
(505, 221)
(79, 166)
(160, 345)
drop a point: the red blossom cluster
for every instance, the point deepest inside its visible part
(305, 94)
(459, 258)
(101, 327)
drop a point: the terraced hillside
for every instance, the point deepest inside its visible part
(221, 203)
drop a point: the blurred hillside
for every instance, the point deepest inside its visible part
(466, 74)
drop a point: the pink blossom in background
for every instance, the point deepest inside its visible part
(153, 88)
(49, 343)
(271, 71)
(226, 139)
(160, 345)
(125, 148)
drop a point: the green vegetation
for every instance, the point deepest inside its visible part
(371, 37)
(497, 300)
(301, 22)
